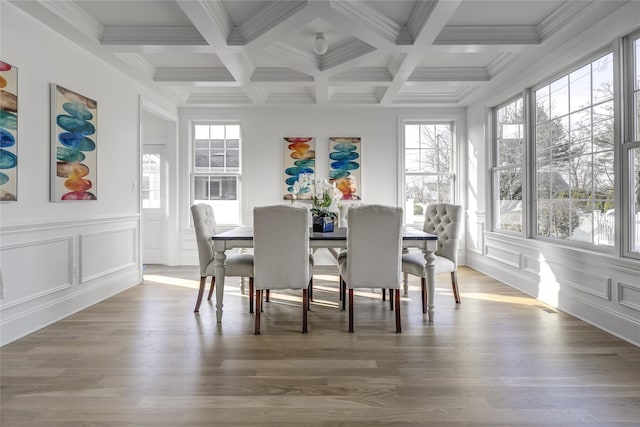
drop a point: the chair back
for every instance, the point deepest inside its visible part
(204, 222)
(374, 246)
(445, 220)
(281, 247)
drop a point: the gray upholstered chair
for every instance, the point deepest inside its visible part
(373, 255)
(281, 254)
(445, 220)
(204, 222)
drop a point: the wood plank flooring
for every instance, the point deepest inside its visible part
(142, 358)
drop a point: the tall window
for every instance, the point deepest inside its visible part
(574, 155)
(632, 147)
(428, 167)
(508, 168)
(216, 169)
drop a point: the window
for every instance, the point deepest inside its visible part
(216, 169)
(150, 181)
(632, 146)
(574, 155)
(428, 167)
(508, 166)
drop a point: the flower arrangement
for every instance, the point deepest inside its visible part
(326, 198)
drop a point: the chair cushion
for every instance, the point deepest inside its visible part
(414, 263)
(235, 265)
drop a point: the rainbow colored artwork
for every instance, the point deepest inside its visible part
(8, 132)
(344, 166)
(299, 158)
(74, 136)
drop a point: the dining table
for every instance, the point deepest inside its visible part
(242, 237)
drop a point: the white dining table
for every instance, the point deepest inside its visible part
(242, 237)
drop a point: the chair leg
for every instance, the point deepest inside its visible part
(203, 279)
(251, 294)
(343, 292)
(267, 296)
(257, 315)
(390, 299)
(310, 287)
(454, 285)
(213, 285)
(398, 325)
(384, 294)
(350, 310)
(423, 294)
(305, 308)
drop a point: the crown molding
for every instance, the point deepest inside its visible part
(344, 53)
(363, 75)
(558, 19)
(449, 74)
(279, 75)
(151, 35)
(290, 98)
(488, 34)
(376, 21)
(136, 61)
(269, 17)
(419, 16)
(76, 17)
(354, 98)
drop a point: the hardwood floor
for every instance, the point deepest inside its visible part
(143, 358)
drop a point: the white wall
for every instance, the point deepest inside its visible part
(57, 258)
(600, 288)
(263, 130)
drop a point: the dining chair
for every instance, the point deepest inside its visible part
(444, 220)
(281, 254)
(374, 249)
(204, 222)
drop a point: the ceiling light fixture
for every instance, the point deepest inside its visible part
(320, 44)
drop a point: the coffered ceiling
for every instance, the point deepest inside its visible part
(241, 52)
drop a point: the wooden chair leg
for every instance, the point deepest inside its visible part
(251, 289)
(267, 296)
(454, 285)
(384, 294)
(310, 287)
(423, 285)
(200, 293)
(257, 315)
(350, 310)
(343, 292)
(213, 285)
(390, 299)
(398, 325)
(305, 308)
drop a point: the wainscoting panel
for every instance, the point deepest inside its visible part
(35, 269)
(599, 288)
(54, 269)
(105, 252)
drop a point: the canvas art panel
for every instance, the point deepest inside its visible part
(8, 132)
(299, 158)
(344, 166)
(73, 146)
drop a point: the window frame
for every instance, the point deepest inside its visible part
(532, 151)
(495, 168)
(453, 163)
(193, 172)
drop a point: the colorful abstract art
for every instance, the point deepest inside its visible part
(73, 142)
(8, 132)
(344, 166)
(299, 158)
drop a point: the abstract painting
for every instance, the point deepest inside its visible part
(344, 166)
(299, 158)
(73, 146)
(8, 132)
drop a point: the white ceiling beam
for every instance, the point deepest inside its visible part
(151, 35)
(193, 75)
(362, 76)
(267, 20)
(344, 54)
(438, 15)
(448, 74)
(489, 34)
(277, 75)
(213, 23)
(361, 13)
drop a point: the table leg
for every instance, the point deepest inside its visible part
(220, 258)
(430, 258)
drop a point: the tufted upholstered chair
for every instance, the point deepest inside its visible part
(281, 253)
(204, 222)
(374, 249)
(444, 220)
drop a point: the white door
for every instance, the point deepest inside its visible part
(154, 205)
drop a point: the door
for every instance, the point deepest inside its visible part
(154, 204)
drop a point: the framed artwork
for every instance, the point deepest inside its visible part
(299, 158)
(344, 166)
(73, 146)
(8, 132)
